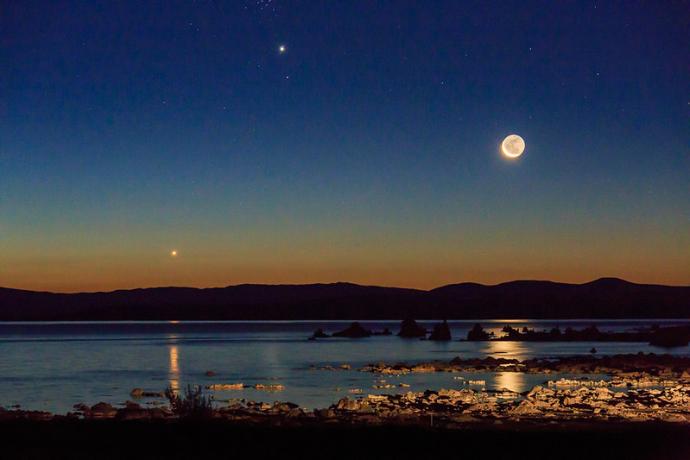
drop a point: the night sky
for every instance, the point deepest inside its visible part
(366, 151)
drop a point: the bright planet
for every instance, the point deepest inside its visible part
(513, 146)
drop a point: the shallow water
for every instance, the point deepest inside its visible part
(51, 366)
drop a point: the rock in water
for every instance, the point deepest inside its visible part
(141, 393)
(269, 387)
(319, 334)
(225, 386)
(410, 329)
(354, 331)
(103, 410)
(671, 337)
(441, 332)
(477, 334)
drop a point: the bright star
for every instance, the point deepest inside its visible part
(282, 49)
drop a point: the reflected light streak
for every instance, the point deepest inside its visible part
(505, 349)
(174, 372)
(513, 381)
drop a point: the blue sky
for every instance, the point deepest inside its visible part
(367, 151)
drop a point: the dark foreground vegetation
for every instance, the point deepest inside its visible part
(108, 439)
(603, 298)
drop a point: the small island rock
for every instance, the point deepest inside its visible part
(354, 331)
(319, 334)
(410, 329)
(441, 332)
(477, 333)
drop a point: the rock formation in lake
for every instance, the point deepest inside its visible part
(441, 332)
(671, 337)
(477, 333)
(319, 334)
(410, 329)
(353, 331)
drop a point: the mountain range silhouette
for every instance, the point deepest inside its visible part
(602, 298)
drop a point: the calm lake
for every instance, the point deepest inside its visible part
(52, 366)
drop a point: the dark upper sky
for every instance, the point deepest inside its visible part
(367, 151)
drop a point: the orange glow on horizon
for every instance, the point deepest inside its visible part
(109, 280)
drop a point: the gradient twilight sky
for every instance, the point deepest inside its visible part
(367, 152)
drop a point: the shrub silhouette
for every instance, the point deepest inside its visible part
(193, 404)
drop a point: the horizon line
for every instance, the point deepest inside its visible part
(604, 278)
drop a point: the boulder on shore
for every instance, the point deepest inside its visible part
(347, 404)
(354, 331)
(410, 329)
(441, 332)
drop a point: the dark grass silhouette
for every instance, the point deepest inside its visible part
(192, 404)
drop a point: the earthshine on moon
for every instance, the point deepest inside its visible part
(513, 146)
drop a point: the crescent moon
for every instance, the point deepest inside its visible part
(513, 146)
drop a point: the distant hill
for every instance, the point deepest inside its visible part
(603, 298)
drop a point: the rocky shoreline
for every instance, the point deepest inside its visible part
(641, 388)
(629, 364)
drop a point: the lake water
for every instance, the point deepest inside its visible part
(51, 366)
